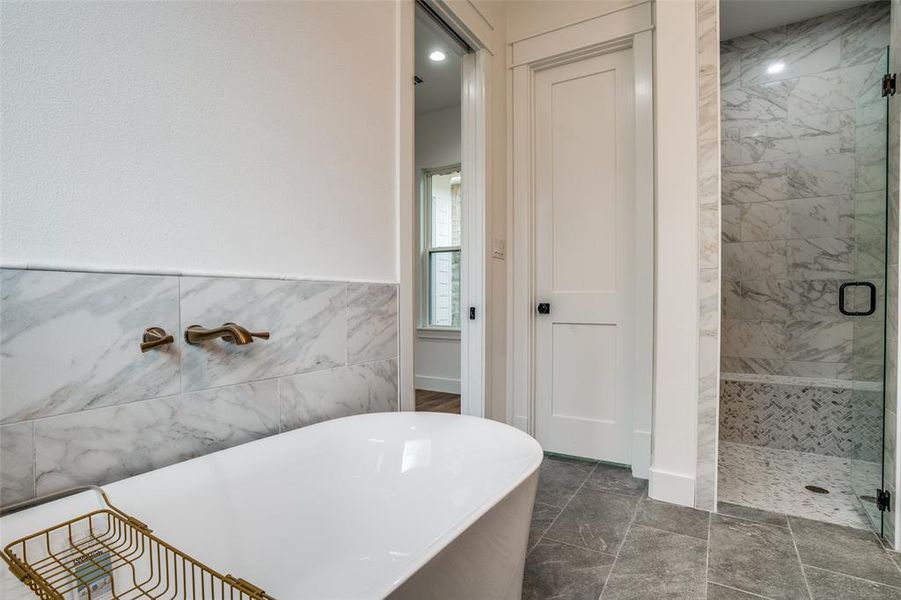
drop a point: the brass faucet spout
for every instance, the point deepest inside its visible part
(229, 332)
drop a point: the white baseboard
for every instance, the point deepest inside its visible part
(674, 488)
(438, 384)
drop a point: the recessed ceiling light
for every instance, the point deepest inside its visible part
(437, 56)
(775, 68)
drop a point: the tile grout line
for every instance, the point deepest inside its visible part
(622, 544)
(888, 551)
(642, 525)
(34, 461)
(557, 516)
(607, 491)
(803, 565)
(707, 557)
(199, 390)
(666, 531)
(181, 339)
(728, 516)
(791, 533)
(888, 585)
(739, 590)
(571, 545)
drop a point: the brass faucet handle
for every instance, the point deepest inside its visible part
(263, 335)
(154, 337)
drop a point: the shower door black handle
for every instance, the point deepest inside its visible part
(841, 299)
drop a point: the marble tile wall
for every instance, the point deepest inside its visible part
(708, 251)
(803, 195)
(80, 403)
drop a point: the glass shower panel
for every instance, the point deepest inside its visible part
(861, 298)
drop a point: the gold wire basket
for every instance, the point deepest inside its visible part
(108, 554)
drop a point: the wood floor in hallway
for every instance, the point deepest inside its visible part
(428, 401)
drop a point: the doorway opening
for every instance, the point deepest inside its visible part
(440, 202)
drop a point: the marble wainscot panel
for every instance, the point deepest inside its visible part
(108, 444)
(70, 341)
(307, 321)
(314, 397)
(371, 322)
(16, 462)
(82, 404)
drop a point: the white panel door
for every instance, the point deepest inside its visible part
(584, 257)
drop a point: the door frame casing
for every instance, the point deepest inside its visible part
(473, 273)
(629, 27)
(472, 27)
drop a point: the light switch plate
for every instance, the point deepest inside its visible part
(498, 248)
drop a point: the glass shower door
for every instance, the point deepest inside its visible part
(861, 298)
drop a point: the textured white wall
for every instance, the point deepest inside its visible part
(253, 138)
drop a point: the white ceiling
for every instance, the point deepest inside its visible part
(440, 87)
(741, 17)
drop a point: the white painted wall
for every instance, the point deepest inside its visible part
(527, 17)
(437, 139)
(496, 152)
(437, 361)
(230, 138)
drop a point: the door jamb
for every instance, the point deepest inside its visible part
(474, 168)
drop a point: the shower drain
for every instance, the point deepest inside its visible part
(816, 489)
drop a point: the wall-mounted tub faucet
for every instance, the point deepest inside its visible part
(230, 332)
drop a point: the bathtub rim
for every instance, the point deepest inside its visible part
(450, 535)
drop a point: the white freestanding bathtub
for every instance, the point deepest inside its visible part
(399, 505)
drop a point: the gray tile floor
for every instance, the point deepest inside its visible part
(596, 534)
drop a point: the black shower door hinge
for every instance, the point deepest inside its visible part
(888, 85)
(884, 500)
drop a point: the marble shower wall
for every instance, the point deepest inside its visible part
(708, 251)
(80, 403)
(803, 195)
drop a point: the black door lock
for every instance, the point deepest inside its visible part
(543, 308)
